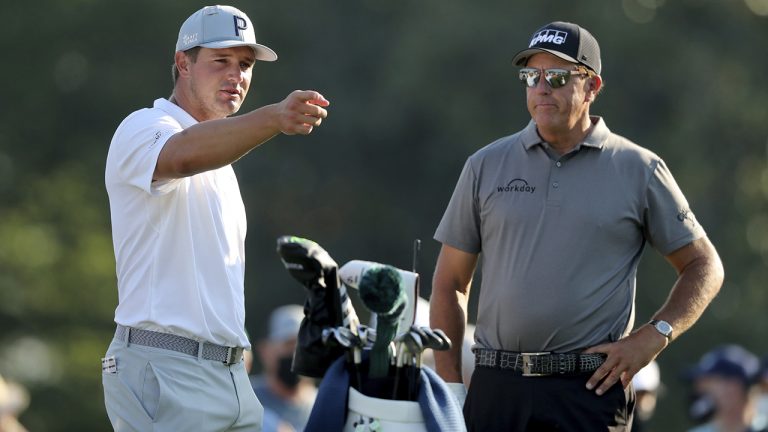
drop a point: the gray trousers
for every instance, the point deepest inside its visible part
(152, 389)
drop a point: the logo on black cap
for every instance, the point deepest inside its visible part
(566, 40)
(556, 37)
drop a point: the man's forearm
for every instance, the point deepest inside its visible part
(699, 280)
(448, 312)
(213, 144)
(448, 306)
(216, 143)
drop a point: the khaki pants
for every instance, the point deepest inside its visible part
(152, 389)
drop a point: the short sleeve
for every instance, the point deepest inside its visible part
(460, 225)
(136, 148)
(669, 222)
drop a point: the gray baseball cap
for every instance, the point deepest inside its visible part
(284, 322)
(221, 27)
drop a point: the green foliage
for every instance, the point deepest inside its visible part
(415, 87)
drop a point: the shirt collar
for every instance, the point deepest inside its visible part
(596, 138)
(175, 111)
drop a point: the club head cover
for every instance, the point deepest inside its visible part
(305, 260)
(382, 292)
(314, 268)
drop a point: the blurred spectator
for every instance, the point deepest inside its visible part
(724, 394)
(646, 383)
(287, 398)
(761, 407)
(13, 400)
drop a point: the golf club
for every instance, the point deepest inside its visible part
(408, 344)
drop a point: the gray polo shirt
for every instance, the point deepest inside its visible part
(561, 236)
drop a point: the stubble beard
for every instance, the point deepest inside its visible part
(211, 106)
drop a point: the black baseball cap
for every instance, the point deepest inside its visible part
(566, 40)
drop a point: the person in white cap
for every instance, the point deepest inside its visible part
(14, 399)
(178, 227)
(285, 395)
(646, 382)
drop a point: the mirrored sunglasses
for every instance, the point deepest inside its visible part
(556, 78)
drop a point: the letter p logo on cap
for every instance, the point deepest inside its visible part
(240, 24)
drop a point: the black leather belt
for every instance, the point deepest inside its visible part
(539, 364)
(224, 354)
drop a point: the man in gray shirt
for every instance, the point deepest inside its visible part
(561, 212)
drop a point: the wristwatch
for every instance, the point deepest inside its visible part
(662, 327)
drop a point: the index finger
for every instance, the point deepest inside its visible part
(313, 97)
(602, 348)
(604, 370)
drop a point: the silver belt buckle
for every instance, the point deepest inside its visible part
(233, 355)
(527, 359)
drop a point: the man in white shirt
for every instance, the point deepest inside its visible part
(178, 225)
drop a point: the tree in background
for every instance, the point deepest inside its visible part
(415, 87)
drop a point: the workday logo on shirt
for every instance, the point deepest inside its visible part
(517, 185)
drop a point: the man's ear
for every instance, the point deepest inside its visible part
(183, 63)
(594, 85)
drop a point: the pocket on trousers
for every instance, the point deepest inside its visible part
(150, 391)
(121, 402)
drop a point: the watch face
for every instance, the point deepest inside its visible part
(664, 328)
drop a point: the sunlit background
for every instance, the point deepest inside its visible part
(415, 87)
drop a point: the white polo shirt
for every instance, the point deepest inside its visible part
(179, 244)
